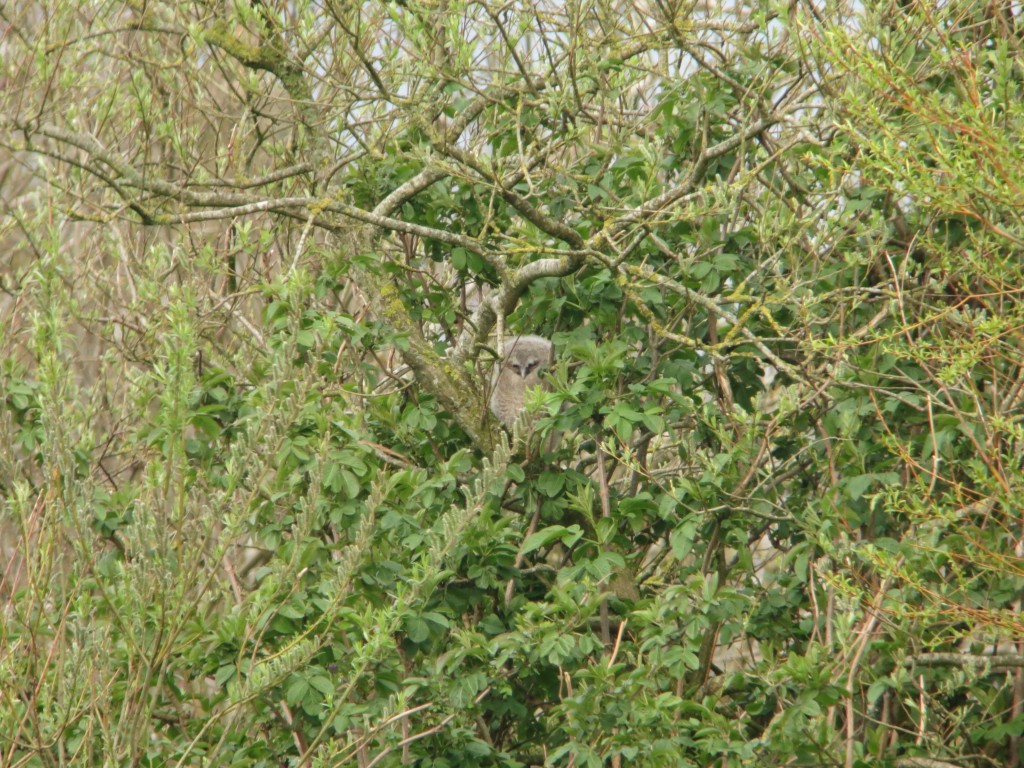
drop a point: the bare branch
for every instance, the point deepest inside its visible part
(976, 661)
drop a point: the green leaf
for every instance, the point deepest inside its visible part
(417, 629)
(682, 538)
(551, 483)
(296, 690)
(225, 674)
(857, 485)
(206, 425)
(543, 537)
(435, 618)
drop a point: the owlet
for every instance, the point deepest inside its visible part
(526, 357)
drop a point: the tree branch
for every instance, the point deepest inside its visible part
(993, 661)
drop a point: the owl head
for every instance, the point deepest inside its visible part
(528, 356)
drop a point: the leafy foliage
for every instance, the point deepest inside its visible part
(258, 264)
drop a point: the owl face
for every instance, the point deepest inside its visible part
(527, 356)
(524, 363)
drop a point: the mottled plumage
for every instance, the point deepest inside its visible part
(526, 358)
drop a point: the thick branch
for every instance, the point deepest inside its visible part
(504, 300)
(994, 661)
(445, 378)
(515, 285)
(231, 204)
(644, 212)
(397, 225)
(531, 213)
(130, 176)
(273, 58)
